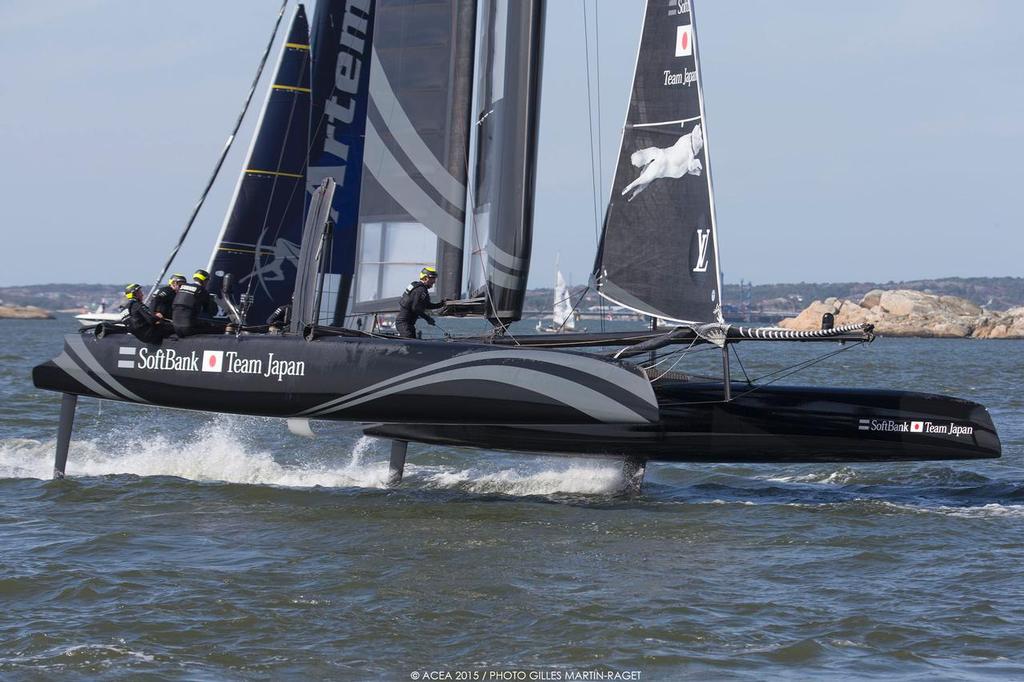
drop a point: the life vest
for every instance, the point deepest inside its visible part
(406, 299)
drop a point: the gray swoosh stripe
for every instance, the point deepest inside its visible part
(575, 395)
(65, 362)
(79, 346)
(399, 125)
(502, 280)
(409, 168)
(508, 271)
(508, 260)
(623, 378)
(389, 173)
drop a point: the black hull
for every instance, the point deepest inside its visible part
(353, 379)
(770, 425)
(545, 401)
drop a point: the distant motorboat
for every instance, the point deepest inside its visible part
(98, 315)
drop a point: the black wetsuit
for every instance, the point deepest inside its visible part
(414, 304)
(163, 300)
(281, 317)
(191, 301)
(142, 324)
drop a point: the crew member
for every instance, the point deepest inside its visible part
(190, 303)
(163, 299)
(281, 317)
(141, 322)
(415, 302)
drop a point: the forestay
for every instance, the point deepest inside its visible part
(659, 249)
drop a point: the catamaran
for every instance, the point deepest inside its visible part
(396, 135)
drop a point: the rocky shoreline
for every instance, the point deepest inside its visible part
(26, 312)
(904, 312)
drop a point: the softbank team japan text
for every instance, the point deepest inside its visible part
(228, 362)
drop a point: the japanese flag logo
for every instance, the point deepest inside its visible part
(213, 360)
(916, 427)
(684, 40)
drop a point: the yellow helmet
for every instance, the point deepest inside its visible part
(177, 277)
(201, 275)
(131, 290)
(428, 272)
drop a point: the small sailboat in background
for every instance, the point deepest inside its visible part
(563, 315)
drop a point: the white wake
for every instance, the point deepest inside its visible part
(222, 450)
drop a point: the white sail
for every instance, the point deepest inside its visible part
(562, 317)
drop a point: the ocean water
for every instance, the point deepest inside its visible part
(188, 546)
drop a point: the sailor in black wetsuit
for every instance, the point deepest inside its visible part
(281, 317)
(163, 299)
(415, 302)
(191, 301)
(141, 322)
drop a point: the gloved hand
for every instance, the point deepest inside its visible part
(430, 321)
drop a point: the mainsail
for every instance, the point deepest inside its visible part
(412, 206)
(659, 249)
(508, 112)
(341, 42)
(259, 240)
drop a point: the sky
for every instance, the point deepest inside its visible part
(852, 141)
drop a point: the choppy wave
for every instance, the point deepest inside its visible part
(581, 478)
(910, 474)
(982, 511)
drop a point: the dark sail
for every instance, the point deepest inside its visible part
(412, 207)
(659, 250)
(507, 117)
(341, 42)
(259, 241)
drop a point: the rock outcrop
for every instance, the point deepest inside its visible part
(904, 312)
(26, 312)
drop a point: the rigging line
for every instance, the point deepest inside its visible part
(590, 125)
(597, 65)
(688, 349)
(807, 362)
(223, 154)
(677, 361)
(667, 356)
(736, 354)
(799, 367)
